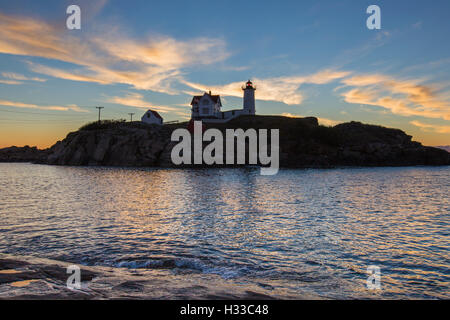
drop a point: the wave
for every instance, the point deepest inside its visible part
(183, 265)
(225, 269)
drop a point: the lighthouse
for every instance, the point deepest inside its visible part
(249, 98)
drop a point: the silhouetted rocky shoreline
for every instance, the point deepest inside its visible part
(303, 144)
(33, 278)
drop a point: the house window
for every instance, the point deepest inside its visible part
(205, 110)
(205, 102)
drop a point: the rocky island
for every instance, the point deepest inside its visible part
(303, 143)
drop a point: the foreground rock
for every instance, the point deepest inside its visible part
(31, 278)
(303, 143)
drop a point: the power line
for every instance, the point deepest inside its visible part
(62, 117)
(117, 110)
(99, 109)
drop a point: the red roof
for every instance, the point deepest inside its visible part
(156, 114)
(249, 85)
(214, 98)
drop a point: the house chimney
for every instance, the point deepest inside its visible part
(209, 92)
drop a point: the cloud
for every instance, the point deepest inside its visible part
(136, 100)
(165, 52)
(267, 89)
(282, 89)
(108, 56)
(233, 68)
(290, 115)
(62, 74)
(351, 55)
(184, 115)
(322, 121)
(91, 8)
(403, 97)
(321, 77)
(12, 82)
(417, 25)
(328, 122)
(365, 80)
(431, 127)
(20, 77)
(34, 106)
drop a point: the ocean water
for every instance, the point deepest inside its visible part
(300, 232)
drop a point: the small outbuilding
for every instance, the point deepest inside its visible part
(152, 117)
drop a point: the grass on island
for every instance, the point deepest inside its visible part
(290, 128)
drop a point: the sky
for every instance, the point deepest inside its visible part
(306, 58)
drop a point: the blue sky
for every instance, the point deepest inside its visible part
(307, 58)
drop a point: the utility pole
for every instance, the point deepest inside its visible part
(131, 115)
(99, 109)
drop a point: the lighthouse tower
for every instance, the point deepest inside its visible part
(249, 98)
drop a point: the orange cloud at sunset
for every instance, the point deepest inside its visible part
(403, 97)
(282, 89)
(322, 121)
(136, 100)
(19, 77)
(101, 58)
(431, 127)
(34, 106)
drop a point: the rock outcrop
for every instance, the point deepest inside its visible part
(135, 144)
(371, 145)
(446, 148)
(23, 154)
(358, 144)
(303, 143)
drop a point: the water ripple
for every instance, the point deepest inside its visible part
(309, 230)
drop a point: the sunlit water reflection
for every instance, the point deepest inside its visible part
(312, 231)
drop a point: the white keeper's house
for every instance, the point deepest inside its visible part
(208, 107)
